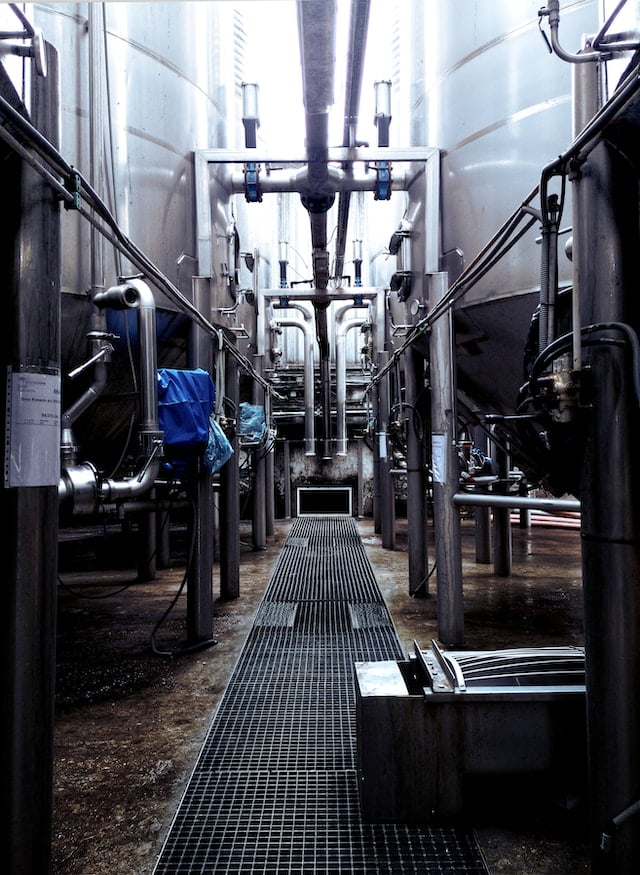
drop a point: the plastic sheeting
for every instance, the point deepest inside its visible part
(251, 424)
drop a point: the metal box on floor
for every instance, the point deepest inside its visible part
(427, 725)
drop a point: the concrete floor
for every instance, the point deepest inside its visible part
(130, 722)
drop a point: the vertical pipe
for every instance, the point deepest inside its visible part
(360, 488)
(259, 514)
(610, 484)
(446, 476)
(482, 515)
(418, 555)
(230, 495)
(387, 490)
(269, 473)
(502, 537)
(286, 467)
(342, 329)
(30, 345)
(199, 579)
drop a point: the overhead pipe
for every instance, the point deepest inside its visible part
(317, 34)
(358, 23)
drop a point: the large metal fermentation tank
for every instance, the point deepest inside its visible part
(142, 86)
(497, 104)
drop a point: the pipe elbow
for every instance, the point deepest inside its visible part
(130, 487)
(130, 295)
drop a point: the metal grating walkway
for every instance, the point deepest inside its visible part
(275, 788)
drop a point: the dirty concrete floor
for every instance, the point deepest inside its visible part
(131, 718)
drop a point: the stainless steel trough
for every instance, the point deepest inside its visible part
(428, 725)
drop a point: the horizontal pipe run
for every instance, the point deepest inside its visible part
(293, 182)
(553, 505)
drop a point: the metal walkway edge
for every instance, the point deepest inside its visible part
(274, 788)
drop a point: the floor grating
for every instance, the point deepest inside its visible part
(274, 789)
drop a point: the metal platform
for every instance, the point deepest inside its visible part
(274, 789)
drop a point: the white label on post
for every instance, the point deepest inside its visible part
(439, 457)
(32, 440)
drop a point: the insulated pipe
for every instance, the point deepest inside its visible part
(309, 395)
(343, 328)
(136, 294)
(317, 35)
(359, 18)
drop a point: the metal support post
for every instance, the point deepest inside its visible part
(230, 495)
(387, 490)
(418, 554)
(482, 515)
(606, 192)
(200, 574)
(286, 467)
(446, 475)
(259, 514)
(502, 537)
(360, 485)
(30, 355)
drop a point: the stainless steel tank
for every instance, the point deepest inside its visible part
(488, 93)
(142, 86)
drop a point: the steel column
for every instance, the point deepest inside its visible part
(386, 485)
(482, 515)
(230, 494)
(502, 537)
(607, 267)
(259, 513)
(200, 573)
(418, 553)
(30, 350)
(446, 475)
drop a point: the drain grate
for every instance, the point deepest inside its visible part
(274, 789)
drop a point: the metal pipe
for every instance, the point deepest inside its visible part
(417, 548)
(387, 486)
(482, 521)
(82, 483)
(358, 23)
(295, 181)
(502, 536)
(230, 494)
(609, 491)
(200, 571)
(551, 505)
(309, 391)
(445, 467)
(31, 339)
(342, 329)
(259, 518)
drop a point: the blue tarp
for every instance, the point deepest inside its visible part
(185, 403)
